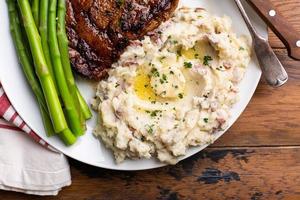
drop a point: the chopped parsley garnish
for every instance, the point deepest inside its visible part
(120, 23)
(162, 58)
(146, 85)
(188, 65)
(206, 60)
(154, 113)
(149, 128)
(154, 72)
(180, 95)
(119, 2)
(164, 77)
(171, 72)
(164, 93)
(117, 85)
(205, 120)
(242, 48)
(178, 52)
(196, 55)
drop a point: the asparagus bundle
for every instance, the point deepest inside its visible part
(26, 62)
(46, 65)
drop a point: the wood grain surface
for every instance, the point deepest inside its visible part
(258, 159)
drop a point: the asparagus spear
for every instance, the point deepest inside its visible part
(71, 112)
(43, 28)
(63, 47)
(27, 65)
(35, 11)
(47, 122)
(42, 71)
(84, 107)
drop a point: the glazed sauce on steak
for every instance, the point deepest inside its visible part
(99, 30)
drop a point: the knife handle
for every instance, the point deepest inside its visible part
(275, 20)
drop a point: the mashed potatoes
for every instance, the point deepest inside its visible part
(172, 90)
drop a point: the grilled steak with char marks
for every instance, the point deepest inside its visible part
(99, 30)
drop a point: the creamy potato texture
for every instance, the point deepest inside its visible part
(173, 89)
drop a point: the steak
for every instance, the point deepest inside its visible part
(100, 30)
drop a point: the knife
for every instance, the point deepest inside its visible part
(279, 25)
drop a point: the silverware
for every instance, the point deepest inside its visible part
(272, 68)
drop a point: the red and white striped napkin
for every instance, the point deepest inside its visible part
(25, 165)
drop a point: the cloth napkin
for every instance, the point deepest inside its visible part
(27, 163)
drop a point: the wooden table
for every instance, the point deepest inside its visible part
(259, 157)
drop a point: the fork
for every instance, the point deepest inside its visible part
(272, 69)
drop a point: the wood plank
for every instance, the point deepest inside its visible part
(273, 116)
(291, 10)
(234, 173)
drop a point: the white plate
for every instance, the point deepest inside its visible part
(88, 149)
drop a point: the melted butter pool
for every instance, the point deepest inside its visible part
(142, 86)
(201, 49)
